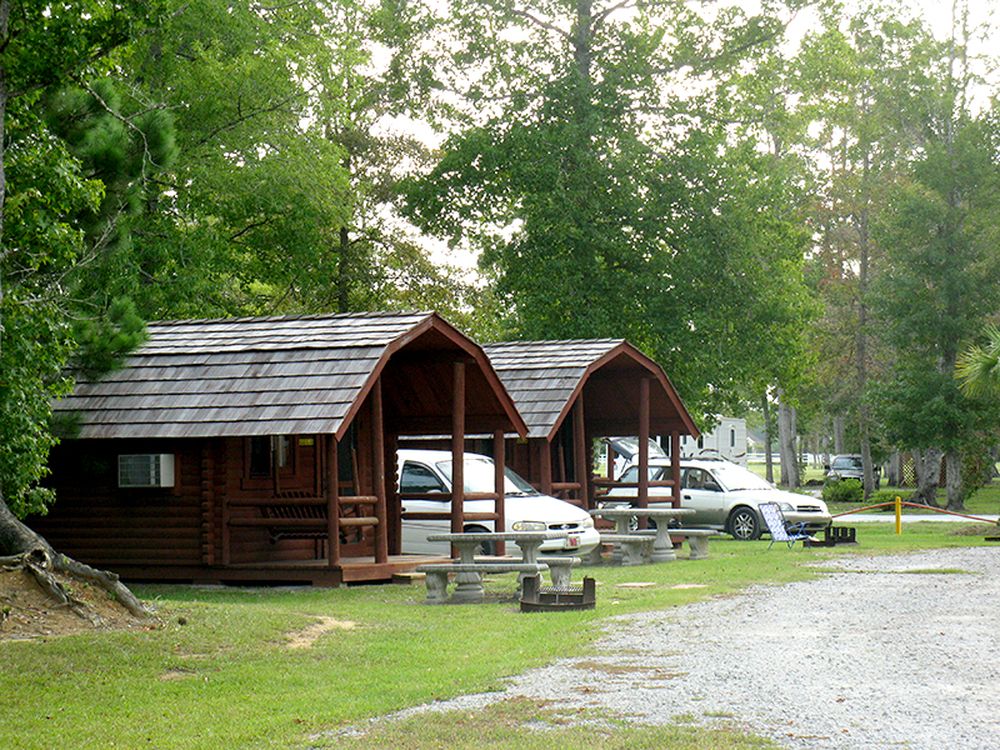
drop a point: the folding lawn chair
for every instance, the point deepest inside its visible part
(780, 529)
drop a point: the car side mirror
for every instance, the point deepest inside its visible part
(712, 487)
(826, 467)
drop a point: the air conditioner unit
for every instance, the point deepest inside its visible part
(146, 470)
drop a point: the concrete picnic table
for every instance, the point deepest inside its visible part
(529, 542)
(663, 548)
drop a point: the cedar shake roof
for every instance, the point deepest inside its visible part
(546, 377)
(260, 376)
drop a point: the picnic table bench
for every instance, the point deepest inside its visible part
(661, 550)
(638, 548)
(470, 588)
(469, 570)
(697, 539)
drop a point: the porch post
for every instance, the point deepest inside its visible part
(675, 465)
(499, 486)
(581, 469)
(545, 456)
(332, 501)
(643, 499)
(458, 449)
(378, 475)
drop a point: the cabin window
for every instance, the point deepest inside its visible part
(264, 451)
(732, 438)
(701, 442)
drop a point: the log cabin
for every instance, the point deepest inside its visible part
(572, 392)
(264, 449)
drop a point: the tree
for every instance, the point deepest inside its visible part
(42, 192)
(281, 197)
(978, 366)
(861, 83)
(941, 284)
(606, 204)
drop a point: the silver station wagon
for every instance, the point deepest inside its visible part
(725, 496)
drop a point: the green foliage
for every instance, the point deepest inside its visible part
(844, 491)
(42, 238)
(601, 210)
(978, 368)
(103, 342)
(122, 146)
(940, 282)
(887, 496)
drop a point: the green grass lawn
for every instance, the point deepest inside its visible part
(218, 671)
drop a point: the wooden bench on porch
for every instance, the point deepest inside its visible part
(305, 517)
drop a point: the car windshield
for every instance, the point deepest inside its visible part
(848, 462)
(479, 477)
(733, 478)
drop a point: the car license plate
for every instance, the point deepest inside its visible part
(574, 541)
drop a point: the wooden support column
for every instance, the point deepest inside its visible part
(275, 464)
(643, 499)
(675, 465)
(545, 457)
(591, 475)
(458, 449)
(332, 501)
(393, 501)
(378, 475)
(580, 467)
(499, 486)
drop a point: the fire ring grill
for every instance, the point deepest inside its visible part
(538, 598)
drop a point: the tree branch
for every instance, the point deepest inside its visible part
(541, 23)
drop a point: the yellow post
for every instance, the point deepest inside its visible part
(899, 515)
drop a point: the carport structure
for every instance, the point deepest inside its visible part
(571, 392)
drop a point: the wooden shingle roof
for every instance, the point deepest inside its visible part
(248, 376)
(545, 377)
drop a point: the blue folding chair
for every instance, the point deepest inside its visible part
(780, 529)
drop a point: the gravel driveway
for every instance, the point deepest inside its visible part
(880, 653)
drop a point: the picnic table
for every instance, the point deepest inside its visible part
(663, 548)
(529, 542)
(469, 571)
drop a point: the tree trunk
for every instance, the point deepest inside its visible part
(20, 547)
(894, 474)
(838, 434)
(927, 464)
(953, 480)
(786, 443)
(768, 458)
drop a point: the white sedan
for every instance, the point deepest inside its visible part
(525, 509)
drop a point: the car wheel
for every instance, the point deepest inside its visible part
(744, 525)
(487, 547)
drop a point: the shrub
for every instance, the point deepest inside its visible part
(844, 491)
(887, 496)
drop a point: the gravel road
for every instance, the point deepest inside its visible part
(879, 653)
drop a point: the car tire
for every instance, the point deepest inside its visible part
(487, 548)
(743, 524)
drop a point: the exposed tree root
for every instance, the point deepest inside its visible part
(36, 556)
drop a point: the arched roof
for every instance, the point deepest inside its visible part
(546, 377)
(265, 376)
